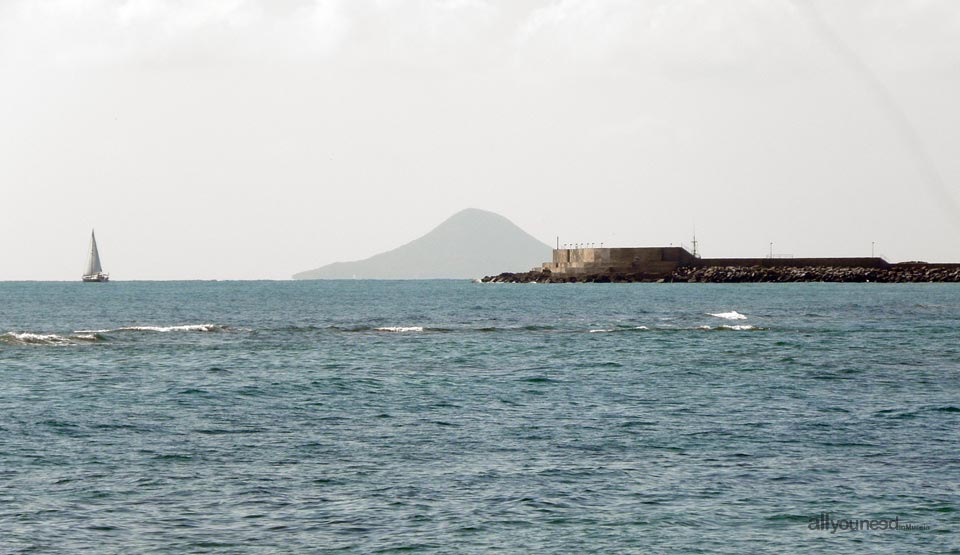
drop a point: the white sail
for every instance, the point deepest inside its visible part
(93, 263)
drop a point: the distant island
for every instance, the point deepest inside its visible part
(469, 244)
(676, 264)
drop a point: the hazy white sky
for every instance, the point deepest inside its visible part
(240, 139)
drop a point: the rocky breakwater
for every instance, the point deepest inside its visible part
(521, 277)
(757, 274)
(906, 273)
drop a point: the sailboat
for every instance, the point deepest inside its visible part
(94, 272)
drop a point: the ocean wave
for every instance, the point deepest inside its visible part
(524, 329)
(162, 329)
(301, 329)
(31, 338)
(453, 329)
(740, 327)
(732, 315)
(389, 329)
(620, 329)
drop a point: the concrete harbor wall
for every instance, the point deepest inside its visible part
(653, 261)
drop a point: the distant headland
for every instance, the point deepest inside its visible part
(464, 246)
(676, 264)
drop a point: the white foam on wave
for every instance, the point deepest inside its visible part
(167, 329)
(160, 329)
(736, 327)
(732, 315)
(27, 338)
(86, 336)
(31, 338)
(400, 329)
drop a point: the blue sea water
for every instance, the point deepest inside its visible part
(453, 417)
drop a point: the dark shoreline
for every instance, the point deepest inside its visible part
(751, 274)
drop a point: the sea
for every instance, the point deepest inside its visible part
(465, 418)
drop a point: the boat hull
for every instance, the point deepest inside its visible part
(96, 278)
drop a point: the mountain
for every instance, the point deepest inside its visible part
(470, 244)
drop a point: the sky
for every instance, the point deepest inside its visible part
(252, 139)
